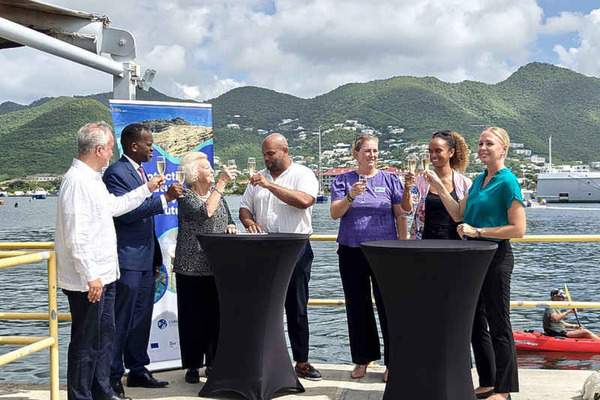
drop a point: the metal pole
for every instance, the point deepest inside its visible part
(25, 351)
(53, 326)
(26, 245)
(550, 154)
(320, 173)
(28, 37)
(26, 259)
(33, 316)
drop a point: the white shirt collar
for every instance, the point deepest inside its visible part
(135, 165)
(85, 168)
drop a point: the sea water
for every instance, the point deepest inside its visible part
(539, 267)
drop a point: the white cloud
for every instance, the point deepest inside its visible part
(169, 60)
(584, 57)
(209, 91)
(564, 23)
(305, 48)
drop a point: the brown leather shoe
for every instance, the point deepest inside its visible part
(359, 371)
(385, 375)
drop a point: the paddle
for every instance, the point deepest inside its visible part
(569, 297)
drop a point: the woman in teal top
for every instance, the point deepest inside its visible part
(493, 210)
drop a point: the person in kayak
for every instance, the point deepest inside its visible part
(554, 324)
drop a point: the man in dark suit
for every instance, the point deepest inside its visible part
(139, 258)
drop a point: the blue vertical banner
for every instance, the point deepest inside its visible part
(177, 129)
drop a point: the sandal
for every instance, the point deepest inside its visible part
(359, 371)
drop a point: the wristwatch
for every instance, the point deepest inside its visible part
(479, 232)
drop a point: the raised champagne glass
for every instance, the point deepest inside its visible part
(161, 165)
(412, 163)
(180, 175)
(425, 161)
(251, 165)
(231, 163)
(363, 179)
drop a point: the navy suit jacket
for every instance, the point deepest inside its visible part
(137, 245)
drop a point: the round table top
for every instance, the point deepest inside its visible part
(436, 245)
(255, 236)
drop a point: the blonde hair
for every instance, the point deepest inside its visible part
(360, 140)
(500, 134)
(189, 165)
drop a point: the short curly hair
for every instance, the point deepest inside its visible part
(460, 160)
(189, 165)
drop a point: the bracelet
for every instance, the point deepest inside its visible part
(350, 198)
(218, 191)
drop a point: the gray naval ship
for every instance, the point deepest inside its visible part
(569, 187)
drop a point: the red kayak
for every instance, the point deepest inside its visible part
(535, 341)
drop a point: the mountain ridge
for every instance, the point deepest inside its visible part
(537, 101)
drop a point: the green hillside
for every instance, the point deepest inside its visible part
(42, 138)
(537, 101)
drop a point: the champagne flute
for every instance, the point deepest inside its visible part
(363, 179)
(412, 163)
(180, 175)
(161, 165)
(231, 163)
(251, 165)
(425, 161)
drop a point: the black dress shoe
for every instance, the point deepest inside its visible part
(192, 376)
(145, 380)
(115, 397)
(117, 387)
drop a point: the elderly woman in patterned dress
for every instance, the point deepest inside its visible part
(201, 210)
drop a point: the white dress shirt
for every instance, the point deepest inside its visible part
(274, 215)
(85, 240)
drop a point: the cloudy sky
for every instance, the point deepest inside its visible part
(203, 48)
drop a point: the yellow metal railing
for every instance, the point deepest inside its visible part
(526, 239)
(32, 344)
(513, 304)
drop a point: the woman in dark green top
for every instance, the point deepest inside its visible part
(493, 210)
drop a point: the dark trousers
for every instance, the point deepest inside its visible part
(296, 305)
(492, 339)
(133, 319)
(92, 334)
(197, 319)
(357, 278)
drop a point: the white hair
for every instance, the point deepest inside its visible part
(189, 165)
(93, 135)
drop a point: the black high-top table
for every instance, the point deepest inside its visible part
(430, 289)
(252, 273)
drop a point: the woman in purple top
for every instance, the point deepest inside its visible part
(368, 211)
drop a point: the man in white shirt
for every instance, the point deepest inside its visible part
(279, 199)
(86, 248)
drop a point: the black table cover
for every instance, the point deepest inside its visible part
(252, 273)
(430, 290)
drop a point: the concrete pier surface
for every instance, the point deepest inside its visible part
(536, 384)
